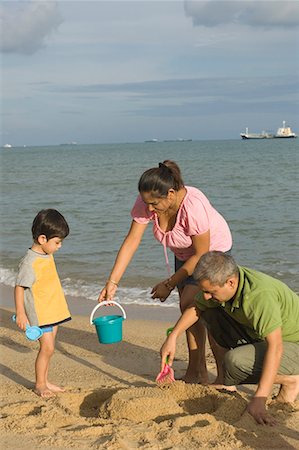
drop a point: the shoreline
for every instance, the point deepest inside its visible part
(83, 307)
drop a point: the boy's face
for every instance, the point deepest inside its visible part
(49, 246)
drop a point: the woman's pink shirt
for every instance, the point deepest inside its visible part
(195, 216)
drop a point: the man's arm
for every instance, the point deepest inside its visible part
(187, 319)
(257, 405)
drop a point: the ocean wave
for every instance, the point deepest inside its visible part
(90, 291)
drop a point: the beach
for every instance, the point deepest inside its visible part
(111, 399)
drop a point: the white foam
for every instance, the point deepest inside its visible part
(7, 276)
(80, 288)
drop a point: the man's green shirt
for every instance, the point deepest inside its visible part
(262, 304)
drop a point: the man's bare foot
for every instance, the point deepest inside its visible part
(55, 388)
(289, 389)
(222, 386)
(44, 392)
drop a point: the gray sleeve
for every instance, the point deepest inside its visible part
(25, 276)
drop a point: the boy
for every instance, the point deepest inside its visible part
(39, 298)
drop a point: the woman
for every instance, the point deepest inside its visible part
(185, 222)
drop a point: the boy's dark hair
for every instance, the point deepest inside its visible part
(50, 223)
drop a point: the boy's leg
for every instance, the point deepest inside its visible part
(51, 386)
(46, 350)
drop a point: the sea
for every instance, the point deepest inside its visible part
(253, 184)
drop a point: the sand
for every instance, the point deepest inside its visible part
(111, 399)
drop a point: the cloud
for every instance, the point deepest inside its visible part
(25, 26)
(265, 13)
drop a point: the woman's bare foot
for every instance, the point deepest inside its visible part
(54, 387)
(222, 386)
(289, 388)
(196, 376)
(44, 392)
(195, 379)
(190, 380)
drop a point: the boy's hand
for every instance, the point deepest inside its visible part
(22, 321)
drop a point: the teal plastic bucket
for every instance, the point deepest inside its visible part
(108, 328)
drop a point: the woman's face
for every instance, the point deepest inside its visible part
(158, 204)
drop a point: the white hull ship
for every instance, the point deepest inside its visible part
(285, 132)
(282, 133)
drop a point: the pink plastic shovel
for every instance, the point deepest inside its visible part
(166, 376)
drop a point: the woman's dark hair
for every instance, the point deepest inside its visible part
(50, 223)
(159, 180)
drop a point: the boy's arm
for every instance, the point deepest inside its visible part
(21, 317)
(271, 364)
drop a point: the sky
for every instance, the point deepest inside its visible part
(129, 71)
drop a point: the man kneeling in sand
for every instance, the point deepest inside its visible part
(255, 320)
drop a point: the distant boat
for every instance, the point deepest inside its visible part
(152, 140)
(69, 143)
(178, 140)
(7, 146)
(262, 135)
(282, 132)
(285, 132)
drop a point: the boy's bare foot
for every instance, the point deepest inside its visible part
(289, 389)
(44, 392)
(55, 388)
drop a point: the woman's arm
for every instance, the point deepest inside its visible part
(201, 245)
(123, 258)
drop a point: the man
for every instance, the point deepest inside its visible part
(255, 320)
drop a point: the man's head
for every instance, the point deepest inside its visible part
(218, 276)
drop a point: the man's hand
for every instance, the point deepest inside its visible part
(257, 409)
(168, 351)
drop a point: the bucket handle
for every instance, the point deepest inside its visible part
(109, 302)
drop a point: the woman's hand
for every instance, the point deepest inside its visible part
(108, 292)
(161, 291)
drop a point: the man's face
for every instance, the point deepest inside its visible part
(219, 293)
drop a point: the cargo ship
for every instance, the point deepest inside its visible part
(283, 132)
